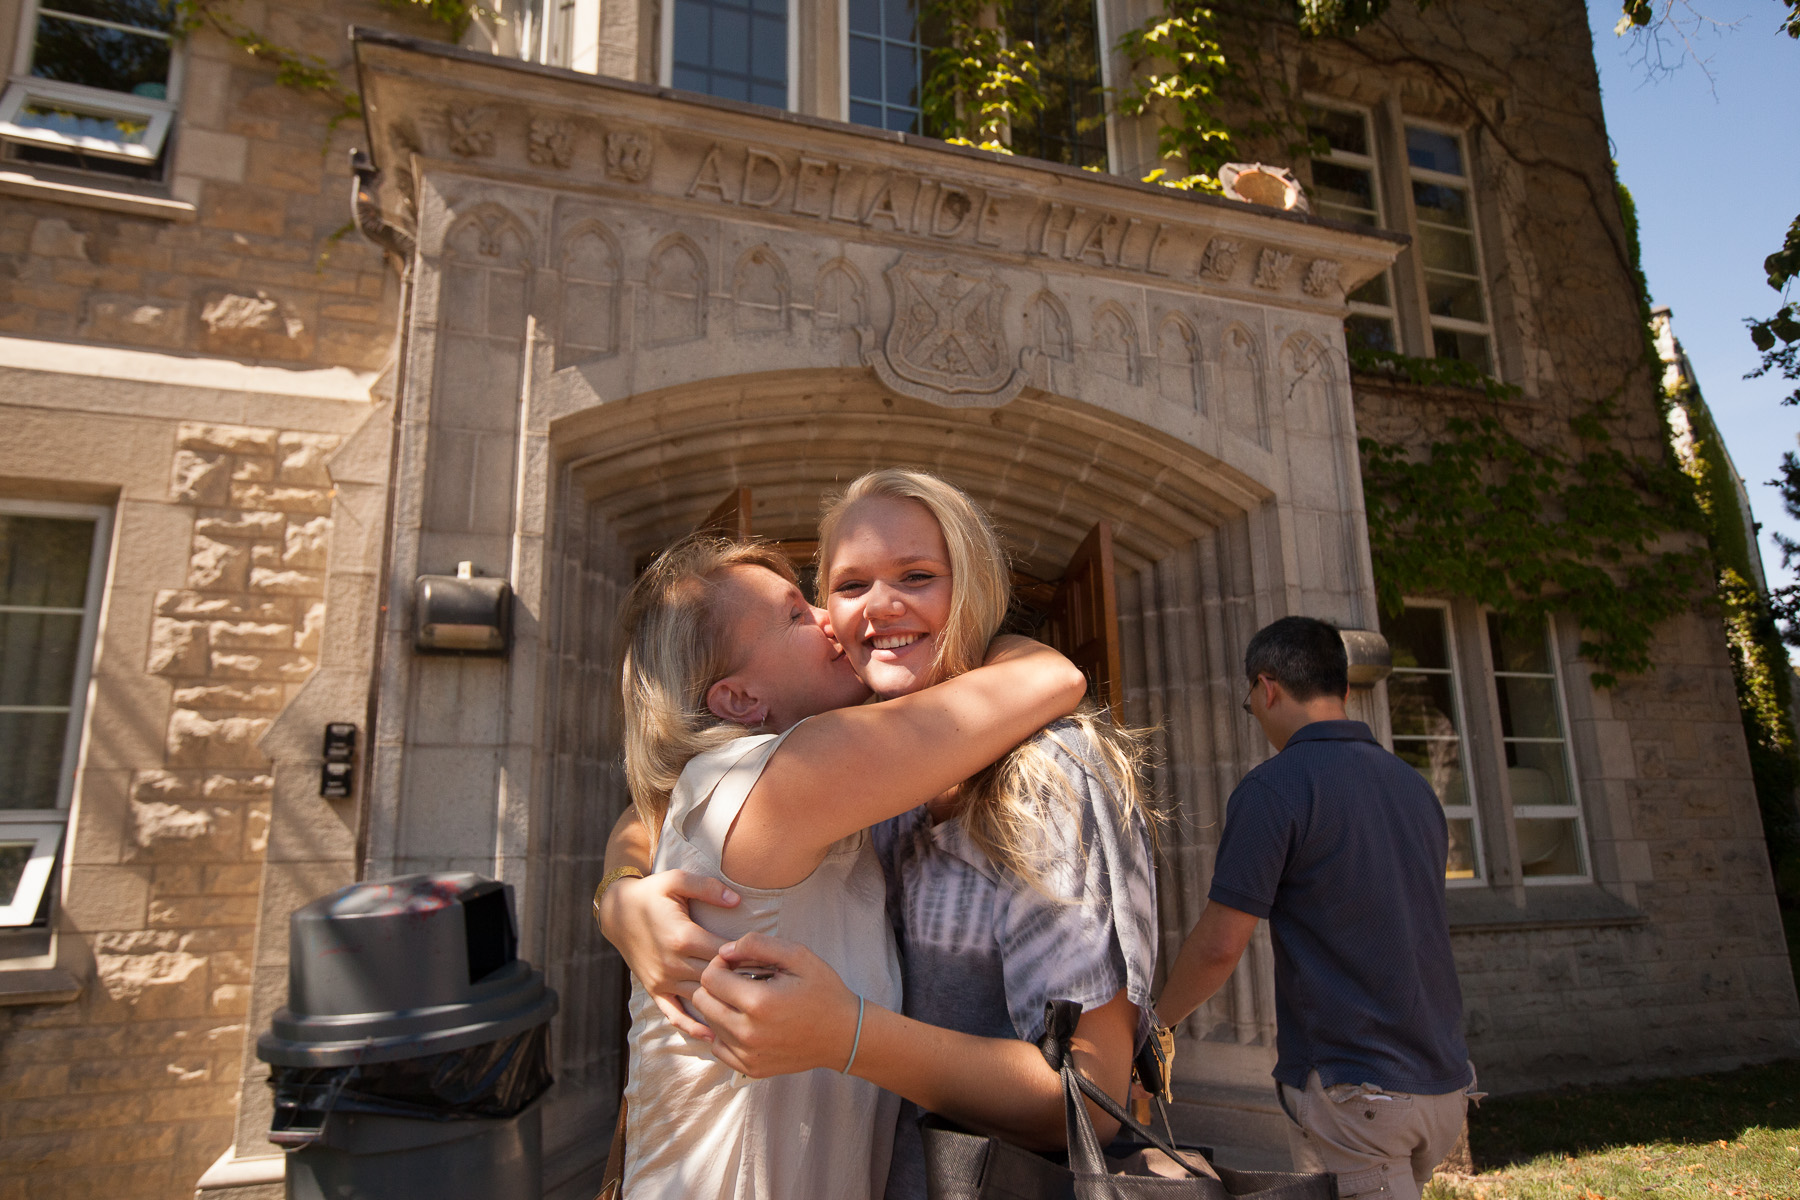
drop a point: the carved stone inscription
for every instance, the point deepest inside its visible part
(897, 201)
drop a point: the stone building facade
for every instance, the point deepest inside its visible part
(601, 307)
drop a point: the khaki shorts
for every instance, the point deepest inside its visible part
(1377, 1143)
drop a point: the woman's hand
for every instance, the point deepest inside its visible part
(648, 922)
(803, 1017)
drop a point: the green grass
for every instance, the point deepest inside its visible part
(1731, 1134)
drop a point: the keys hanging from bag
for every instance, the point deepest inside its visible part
(965, 1166)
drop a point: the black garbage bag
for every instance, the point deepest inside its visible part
(493, 1081)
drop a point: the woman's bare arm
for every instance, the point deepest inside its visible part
(845, 770)
(648, 923)
(805, 1018)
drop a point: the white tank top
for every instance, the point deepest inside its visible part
(695, 1131)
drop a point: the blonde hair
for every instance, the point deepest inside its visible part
(1008, 807)
(674, 644)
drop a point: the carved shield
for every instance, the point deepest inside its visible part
(948, 336)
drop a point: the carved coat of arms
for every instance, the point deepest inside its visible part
(948, 339)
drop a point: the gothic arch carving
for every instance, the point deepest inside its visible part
(759, 291)
(1246, 403)
(1054, 332)
(677, 291)
(1310, 385)
(1114, 348)
(840, 298)
(1178, 362)
(486, 269)
(590, 267)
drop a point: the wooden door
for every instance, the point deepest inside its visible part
(1083, 621)
(732, 518)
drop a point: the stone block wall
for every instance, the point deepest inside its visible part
(130, 1089)
(191, 355)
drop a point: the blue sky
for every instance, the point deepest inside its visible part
(1714, 164)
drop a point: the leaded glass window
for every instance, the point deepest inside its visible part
(733, 49)
(889, 54)
(1346, 188)
(1071, 128)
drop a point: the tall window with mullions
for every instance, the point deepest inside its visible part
(890, 51)
(1071, 128)
(1345, 189)
(733, 49)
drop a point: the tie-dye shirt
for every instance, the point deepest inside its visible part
(982, 952)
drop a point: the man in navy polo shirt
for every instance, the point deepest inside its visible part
(1341, 846)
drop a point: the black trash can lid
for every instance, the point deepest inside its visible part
(399, 968)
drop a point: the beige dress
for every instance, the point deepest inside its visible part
(698, 1131)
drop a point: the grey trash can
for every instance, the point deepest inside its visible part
(414, 1045)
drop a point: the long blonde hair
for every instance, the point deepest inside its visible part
(674, 644)
(1008, 807)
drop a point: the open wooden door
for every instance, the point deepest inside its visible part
(1083, 621)
(732, 518)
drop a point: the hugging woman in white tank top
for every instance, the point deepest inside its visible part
(748, 751)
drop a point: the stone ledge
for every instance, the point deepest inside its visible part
(1569, 907)
(19, 183)
(48, 985)
(257, 1178)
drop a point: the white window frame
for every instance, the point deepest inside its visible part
(45, 838)
(1466, 184)
(1370, 162)
(24, 88)
(1469, 809)
(1575, 810)
(46, 825)
(665, 54)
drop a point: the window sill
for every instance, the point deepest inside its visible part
(17, 182)
(43, 985)
(1576, 906)
(35, 968)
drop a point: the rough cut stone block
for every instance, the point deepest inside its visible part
(199, 478)
(177, 647)
(265, 554)
(250, 635)
(241, 525)
(287, 583)
(283, 665)
(307, 639)
(229, 439)
(256, 829)
(219, 565)
(254, 470)
(239, 787)
(53, 237)
(156, 821)
(166, 787)
(303, 458)
(306, 543)
(224, 696)
(195, 741)
(281, 499)
(192, 604)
